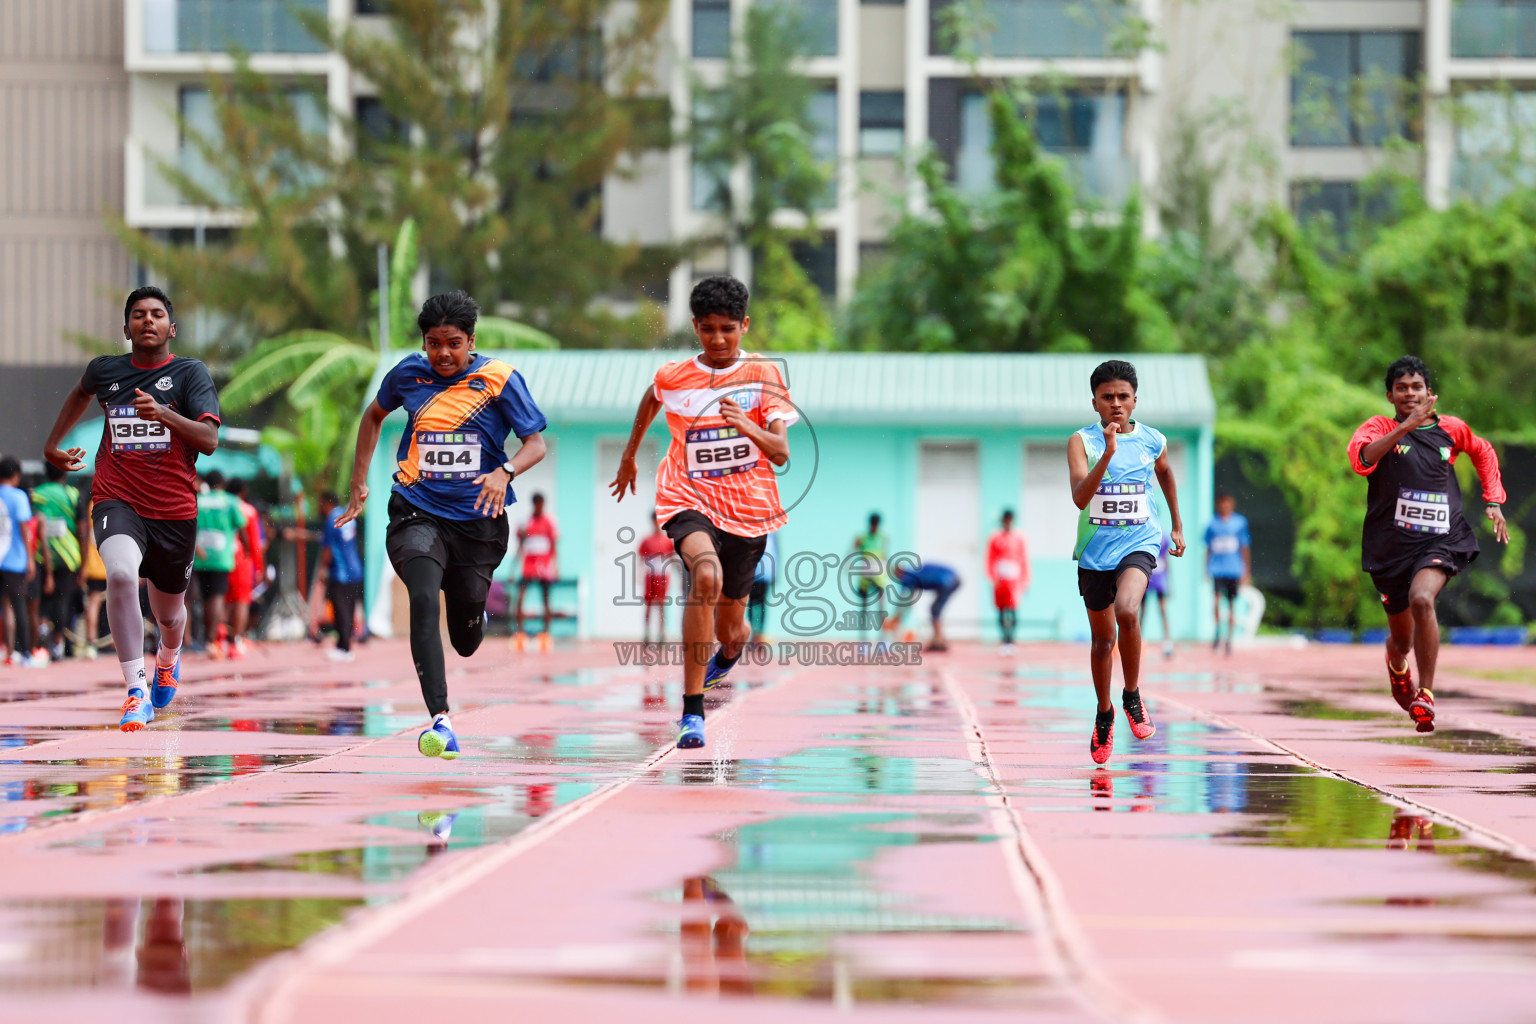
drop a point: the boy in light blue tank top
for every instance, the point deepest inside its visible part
(1112, 464)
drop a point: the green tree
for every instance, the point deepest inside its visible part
(495, 127)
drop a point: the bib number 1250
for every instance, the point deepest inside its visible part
(1422, 511)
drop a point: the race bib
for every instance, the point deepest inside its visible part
(536, 544)
(1120, 505)
(1422, 511)
(719, 451)
(442, 456)
(131, 434)
(1007, 569)
(1225, 544)
(211, 541)
(56, 529)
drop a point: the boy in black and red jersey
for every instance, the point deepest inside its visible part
(1416, 536)
(161, 412)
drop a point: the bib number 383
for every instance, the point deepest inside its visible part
(131, 434)
(1119, 505)
(1422, 511)
(719, 451)
(448, 456)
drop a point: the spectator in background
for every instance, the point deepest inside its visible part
(536, 540)
(1157, 584)
(57, 506)
(657, 552)
(249, 555)
(219, 518)
(16, 566)
(343, 566)
(1008, 568)
(93, 580)
(1228, 560)
(762, 584)
(870, 578)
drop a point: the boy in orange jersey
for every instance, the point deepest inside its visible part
(716, 495)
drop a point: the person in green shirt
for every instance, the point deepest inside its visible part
(870, 577)
(219, 518)
(57, 505)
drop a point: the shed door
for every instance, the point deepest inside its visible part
(614, 597)
(949, 526)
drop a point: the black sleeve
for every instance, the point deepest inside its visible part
(199, 398)
(91, 382)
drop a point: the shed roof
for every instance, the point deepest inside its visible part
(883, 388)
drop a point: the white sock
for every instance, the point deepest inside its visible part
(442, 719)
(164, 653)
(133, 674)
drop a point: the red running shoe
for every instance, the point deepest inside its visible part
(1142, 726)
(1102, 743)
(1402, 685)
(1423, 711)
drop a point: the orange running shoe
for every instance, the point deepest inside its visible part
(543, 641)
(1102, 742)
(1142, 726)
(137, 711)
(1423, 711)
(1402, 684)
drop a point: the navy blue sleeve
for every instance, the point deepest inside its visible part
(389, 396)
(518, 404)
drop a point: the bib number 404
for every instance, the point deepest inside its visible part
(443, 458)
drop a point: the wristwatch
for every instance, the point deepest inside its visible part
(510, 471)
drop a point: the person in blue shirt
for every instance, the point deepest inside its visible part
(1111, 465)
(452, 483)
(16, 567)
(940, 579)
(762, 582)
(343, 566)
(1228, 561)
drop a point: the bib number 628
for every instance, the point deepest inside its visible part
(724, 453)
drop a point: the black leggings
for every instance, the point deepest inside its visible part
(1006, 619)
(344, 603)
(465, 588)
(13, 587)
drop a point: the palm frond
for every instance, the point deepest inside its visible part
(259, 379)
(342, 369)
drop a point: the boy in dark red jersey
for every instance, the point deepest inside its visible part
(1416, 536)
(161, 412)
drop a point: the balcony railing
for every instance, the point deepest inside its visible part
(219, 26)
(1041, 29)
(1490, 28)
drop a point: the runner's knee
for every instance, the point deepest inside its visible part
(706, 579)
(1421, 602)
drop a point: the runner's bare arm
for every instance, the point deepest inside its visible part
(74, 407)
(772, 442)
(201, 435)
(1085, 481)
(1170, 488)
(367, 440)
(492, 499)
(624, 480)
(1375, 450)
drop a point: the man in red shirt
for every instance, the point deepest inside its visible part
(656, 551)
(536, 541)
(162, 411)
(1008, 568)
(1415, 537)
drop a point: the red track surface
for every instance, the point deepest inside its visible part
(900, 843)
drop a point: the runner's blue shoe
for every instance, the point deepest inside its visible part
(713, 673)
(439, 741)
(137, 711)
(164, 689)
(690, 734)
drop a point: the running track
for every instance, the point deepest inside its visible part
(926, 843)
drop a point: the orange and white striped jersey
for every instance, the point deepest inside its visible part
(710, 466)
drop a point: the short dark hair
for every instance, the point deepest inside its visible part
(149, 291)
(214, 479)
(450, 309)
(1007, 513)
(53, 473)
(235, 485)
(330, 496)
(1112, 369)
(9, 467)
(537, 496)
(721, 294)
(1224, 496)
(874, 521)
(1407, 366)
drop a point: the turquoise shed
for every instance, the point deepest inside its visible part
(939, 445)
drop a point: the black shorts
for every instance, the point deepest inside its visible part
(1394, 589)
(467, 550)
(1226, 586)
(211, 582)
(1099, 586)
(96, 586)
(166, 544)
(738, 555)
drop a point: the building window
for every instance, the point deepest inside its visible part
(370, 7)
(819, 261)
(1353, 88)
(1493, 28)
(199, 116)
(1495, 143)
(1042, 29)
(376, 126)
(1340, 206)
(711, 178)
(1086, 130)
(882, 123)
(711, 28)
(824, 142)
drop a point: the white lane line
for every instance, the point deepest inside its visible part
(270, 993)
(1065, 946)
(1487, 836)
